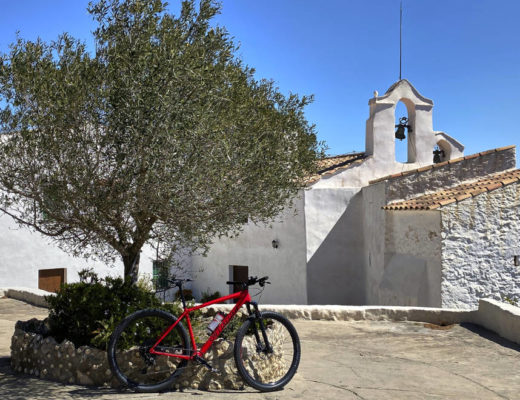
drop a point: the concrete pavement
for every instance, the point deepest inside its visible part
(340, 360)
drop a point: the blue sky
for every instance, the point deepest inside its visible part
(462, 54)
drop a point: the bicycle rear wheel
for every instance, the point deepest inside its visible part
(263, 369)
(128, 351)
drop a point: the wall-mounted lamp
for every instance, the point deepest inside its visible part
(275, 243)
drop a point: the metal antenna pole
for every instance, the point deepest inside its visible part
(400, 39)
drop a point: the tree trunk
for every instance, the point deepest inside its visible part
(131, 263)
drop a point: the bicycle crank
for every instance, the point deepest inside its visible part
(202, 361)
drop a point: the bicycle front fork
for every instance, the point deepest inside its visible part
(255, 314)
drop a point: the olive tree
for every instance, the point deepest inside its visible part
(161, 135)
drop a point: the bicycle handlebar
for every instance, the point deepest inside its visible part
(253, 280)
(179, 282)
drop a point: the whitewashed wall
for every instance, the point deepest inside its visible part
(412, 270)
(23, 253)
(374, 238)
(333, 220)
(481, 235)
(285, 266)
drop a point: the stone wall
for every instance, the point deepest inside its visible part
(41, 357)
(480, 239)
(29, 295)
(450, 174)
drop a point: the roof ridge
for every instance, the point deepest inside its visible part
(354, 153)
(441, 164)
(331, 165)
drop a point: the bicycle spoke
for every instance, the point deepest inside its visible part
(261, 368)
(133, 362)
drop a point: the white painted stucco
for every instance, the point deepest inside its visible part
(412, 270)
(320, 223)
(404, 250)
(451, 147)
(480, 237)
(374, 240)
(253, 248)
(338, 246)
(23, 253)
(355, 252)
(333, 220)
(380, 139)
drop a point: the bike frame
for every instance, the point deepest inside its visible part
(242, 297)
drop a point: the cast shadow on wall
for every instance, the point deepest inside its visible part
(335, 272)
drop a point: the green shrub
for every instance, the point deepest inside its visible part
(87, 312)
(510, 300)
(208, 296)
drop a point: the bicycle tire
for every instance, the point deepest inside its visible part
(129, 359)
(262, 370)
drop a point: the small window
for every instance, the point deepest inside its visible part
(160, 274)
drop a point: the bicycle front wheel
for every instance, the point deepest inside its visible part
(267, 369)
(129, 354)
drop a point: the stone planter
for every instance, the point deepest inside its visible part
(34, 354)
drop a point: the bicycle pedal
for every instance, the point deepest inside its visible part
(202, 361)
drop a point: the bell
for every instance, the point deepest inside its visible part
(437, 153)
(399, 132)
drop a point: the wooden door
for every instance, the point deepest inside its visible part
(240, 274)
(51, 279)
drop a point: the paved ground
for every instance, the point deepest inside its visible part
(340, 360)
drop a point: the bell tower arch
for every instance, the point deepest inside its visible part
(380, 129)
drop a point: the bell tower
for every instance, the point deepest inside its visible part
(380, 128)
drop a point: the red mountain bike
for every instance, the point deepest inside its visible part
(150, 348)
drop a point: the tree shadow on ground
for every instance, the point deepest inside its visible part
(18, 386)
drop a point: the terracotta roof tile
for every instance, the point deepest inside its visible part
(493, 186)
(472, 156)
(442, 164)
(506, 148)
(456, 160)
(331, 165)
(430, 166)
(422, 169)
(461, 192)
(445, 201)
(480, 189)
(508, 181)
